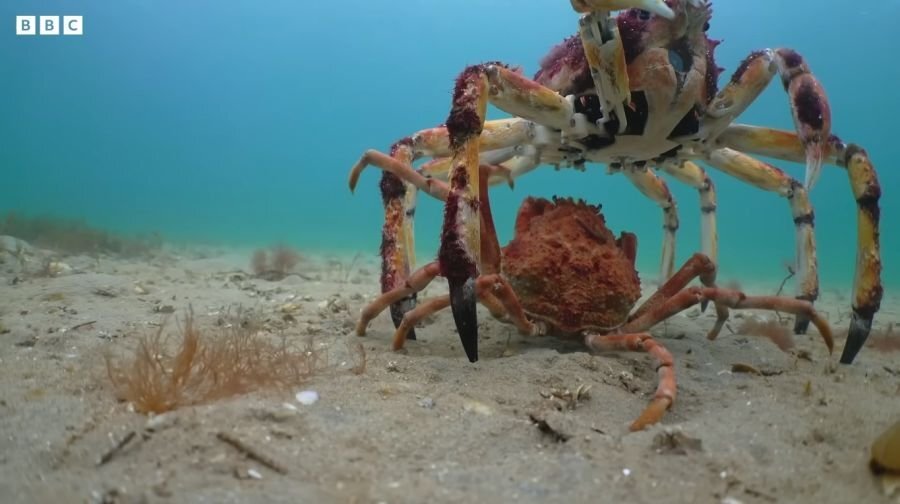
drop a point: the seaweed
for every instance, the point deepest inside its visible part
(75, 236)
(203, 367)
(275, 264)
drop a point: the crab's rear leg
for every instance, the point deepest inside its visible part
(770, 178)
(867, 287)
(460, 254)
(809, 104)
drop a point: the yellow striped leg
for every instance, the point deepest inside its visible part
(692, 175)
(655, 188)
(867, 287)
(770, 178)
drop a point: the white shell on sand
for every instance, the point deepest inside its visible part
(307, 397)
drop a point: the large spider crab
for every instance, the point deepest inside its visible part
(638, 92)
(564, 273)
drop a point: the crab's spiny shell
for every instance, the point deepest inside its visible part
(567, 267)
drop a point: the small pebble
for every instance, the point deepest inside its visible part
(307, 397)
(427, 403)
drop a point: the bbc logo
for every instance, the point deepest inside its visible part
(49, 25)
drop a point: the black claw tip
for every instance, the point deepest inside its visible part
(462, 302)
(801, 325)
(399, 309)
(856, 338)
(703, 305)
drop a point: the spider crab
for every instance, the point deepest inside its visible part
(566, 274)
(637, 91)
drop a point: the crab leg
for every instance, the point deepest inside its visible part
(732, 299)
(867, 288)
(412, 317)
(698, 265)
(415, 283)
(643, 342)
(460, 254)
(397, 241)
(809, 104)
(770, 178)
(655, 188)
(689, 173)
(397, 244)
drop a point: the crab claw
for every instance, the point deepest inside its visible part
(856, 338)
(463, 304)
(655, 6)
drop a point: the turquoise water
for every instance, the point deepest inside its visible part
(236, 122)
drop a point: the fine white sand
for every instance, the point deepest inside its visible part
(424, 425)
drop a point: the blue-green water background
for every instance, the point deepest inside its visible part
(236, 122)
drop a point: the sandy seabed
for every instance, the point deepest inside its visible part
(424, 425)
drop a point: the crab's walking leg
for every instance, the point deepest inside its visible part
(397, 243)
(643, 342)
(699, 265)
(412, 317)
(736, 300)
(809, 104)
(867, 288)
(656, 189)
(415, 283)
(460, 254)
(692, 175)
(769, 178)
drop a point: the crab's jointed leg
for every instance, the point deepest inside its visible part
(732, 299)
(867, 288)
(655, 188)
(692, 175)
(643, 342)
(698, 266)
(397, 243)
(460, 252)
(809, 104)
(770, 178)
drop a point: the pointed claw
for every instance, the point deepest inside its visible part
(703, 305)
(399, 310)
(856, 338)
(462, 302)
(815, 154)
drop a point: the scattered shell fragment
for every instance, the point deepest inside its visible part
(58, 268)
(478, 407)
(307, 397)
